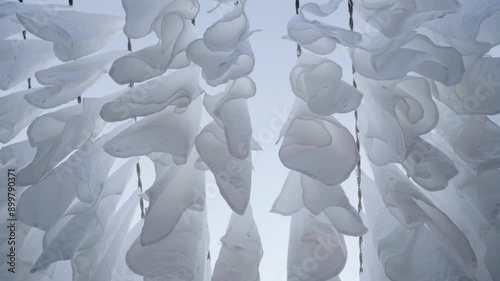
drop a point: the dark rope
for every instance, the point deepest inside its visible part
(79, 98)
(138, 165)
(129, 48)
(139, 185)
(297, 7)
(24, 37)
(350, 6)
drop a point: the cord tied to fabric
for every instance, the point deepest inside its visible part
(350, 6)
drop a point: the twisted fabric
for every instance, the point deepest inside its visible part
(350, 6)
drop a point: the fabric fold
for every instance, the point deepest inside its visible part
(175, 33)
(395, 114)
(318, 81)
(20, 59)
(413, 209)
(178, 89)
(232, 175)
(16, 114)
(478, 92)
(173, 258)
(462, 134)
(227, 32)
(317, 146)
(420, 54)
(241, 251)
(312, 240)
(165, 131)
(394, 19)
(74, 34)
(99, 261)
(141, 17)
(175, 190)
(221, 66)
(400, 249)
(428, 166)
(472, 29)
(81, 229)
(66, 82)
(300, 191)
(318, 37)
(70, 128)
(229, 109)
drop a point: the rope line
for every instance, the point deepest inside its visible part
(129, 48)
(350, 6)
(138, 165)
(139, 185)
(79, 98)
(24, 37)
(297, 7)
